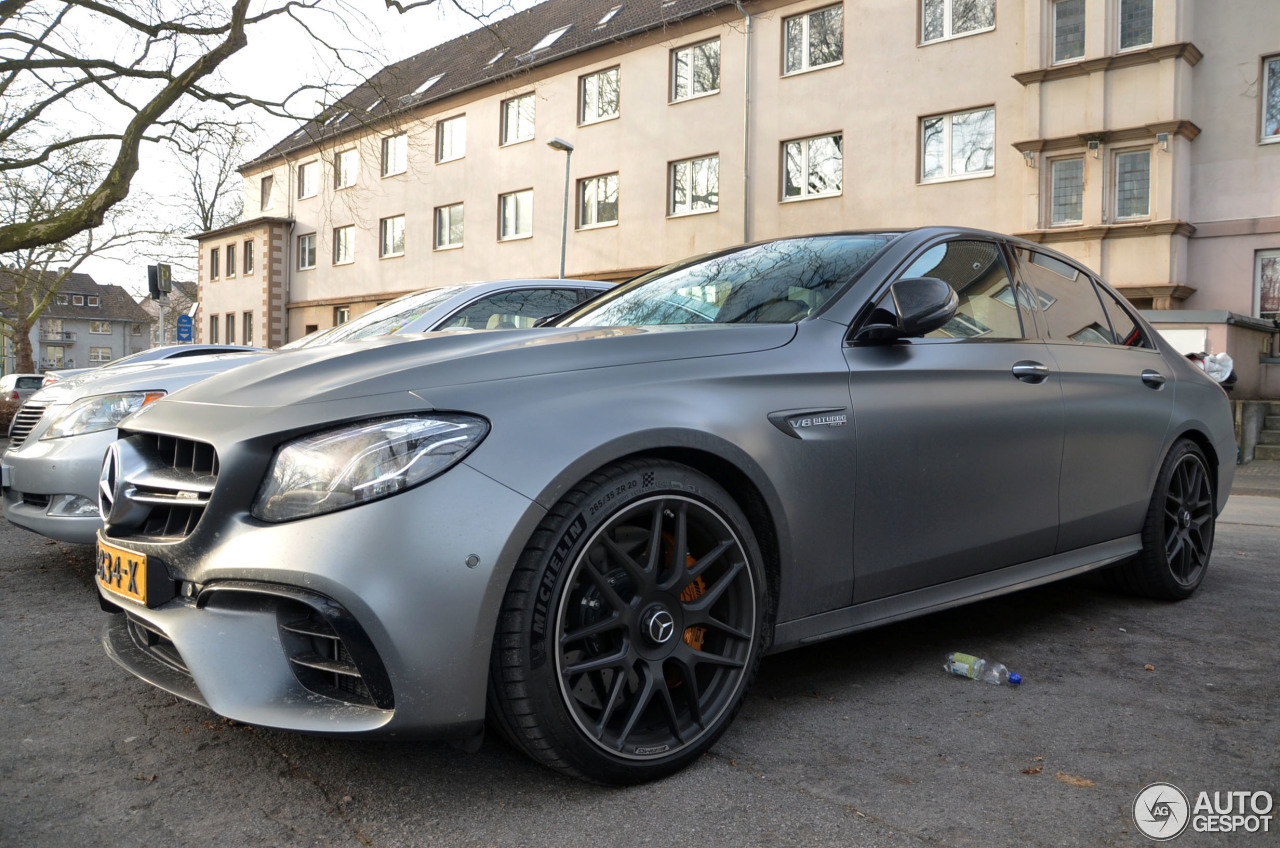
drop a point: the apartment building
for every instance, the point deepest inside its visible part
(1139, 136)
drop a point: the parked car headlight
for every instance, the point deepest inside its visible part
(357, 463)
(102, 412)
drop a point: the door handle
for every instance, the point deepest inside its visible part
(1153, 379)
(1030, 372)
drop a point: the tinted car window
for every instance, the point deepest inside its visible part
(29, 382)
(976, 270)
(1125, 331)
(773, 283)
(1068, 299)
(513, 309)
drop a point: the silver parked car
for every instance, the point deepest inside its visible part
(50, 472)
(19, 386)
(151, 354)
(590, 533)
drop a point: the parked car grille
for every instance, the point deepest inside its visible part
(319, 658)
(172, 486)
(26, 419)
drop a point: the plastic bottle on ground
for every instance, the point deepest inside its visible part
(967, 665)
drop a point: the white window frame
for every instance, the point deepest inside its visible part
(1120, 4)
(517, 233)
(948, 22)
(246, 328)
(247, 260)
(395, 154)
(103, 328)
(344, 244)
(230, 267)
(91, 300)
(1270, 82)
(215, 263)
(1053, 35)
(1115, 183)
(1260, 257)
(676, 53)
(583, 81)
(451, 139)
(1050, 192)
(948, 120)
(346, 168)
(511, 134)
(307, 245)
(387, 248)
(805, 144)
(691, 164)
(96, 354)
(77, 300)
(266, 192)
(442, 234)
(592, 182)
(308, 179)
(806, 62)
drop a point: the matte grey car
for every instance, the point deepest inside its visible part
(590, 533)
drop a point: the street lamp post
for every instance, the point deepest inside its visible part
(561, 144)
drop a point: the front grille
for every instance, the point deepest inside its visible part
(319, 657)
(41, 501)
(153, 641)
(171, 485)
(27, 418)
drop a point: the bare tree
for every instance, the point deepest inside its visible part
(125, 72)
(209, 161)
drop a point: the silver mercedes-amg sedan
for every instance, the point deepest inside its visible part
(589, 533)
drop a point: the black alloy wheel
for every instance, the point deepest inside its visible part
(1178, 535)
(643, 629)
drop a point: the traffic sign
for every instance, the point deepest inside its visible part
(184, 328)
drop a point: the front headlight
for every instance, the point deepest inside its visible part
(357, 463)
(103, 412)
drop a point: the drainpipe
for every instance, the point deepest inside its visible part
(746, 130)
(288, 256)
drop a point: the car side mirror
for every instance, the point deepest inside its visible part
(913, 307)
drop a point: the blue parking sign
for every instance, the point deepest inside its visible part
(184, 328)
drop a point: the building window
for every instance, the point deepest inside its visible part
(608, 16)
(550, 38)
(99, 355)
(941, 19)
(515, 215)
(1068, 30)
(517, 119)
(1267, 279)
(1135, 23)
(248, 256)
(77, 300)
(346, 165)
(308, 185)
(392, 236)
(813, 167)
(306, 251)
(213, 329)
(101, 328)
(695, 70)
(231, 328)
(341, 315)
(448, 226)
(54, 356)
(231, 260)
(395, 155)
(215, 262)
(344, 244)
(247, 336)
(265, 197)
(813, 40)
(1133, 185)
(62, 300)
(694, 186)
(598, 95)
(1066, 191)
(598, 201)
(92, 300)
(451, 139)
(135, 329)
(958, 145)
(1271, 99)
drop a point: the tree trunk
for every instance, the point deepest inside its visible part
(24, 362)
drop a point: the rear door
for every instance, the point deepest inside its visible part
(959, 435)
(1117, 405)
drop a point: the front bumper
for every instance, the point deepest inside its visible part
(414, 582)
(52, 485)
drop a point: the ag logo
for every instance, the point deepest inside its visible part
(1161, 811)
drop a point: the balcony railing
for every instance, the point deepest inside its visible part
(48, 336)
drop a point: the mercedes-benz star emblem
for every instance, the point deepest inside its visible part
(107, 480)
(659, 625)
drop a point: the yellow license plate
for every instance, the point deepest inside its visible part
(122, 572)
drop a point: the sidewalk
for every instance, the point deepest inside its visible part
(1257, 478)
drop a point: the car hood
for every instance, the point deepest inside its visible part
(424, 361)
(162, 375)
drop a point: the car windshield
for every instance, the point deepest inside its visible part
(775, 283)
(383, 320)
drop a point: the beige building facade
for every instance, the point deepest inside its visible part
(1139, 136)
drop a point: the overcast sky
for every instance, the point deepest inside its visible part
(278, 58)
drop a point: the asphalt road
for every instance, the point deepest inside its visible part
(862, 741)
